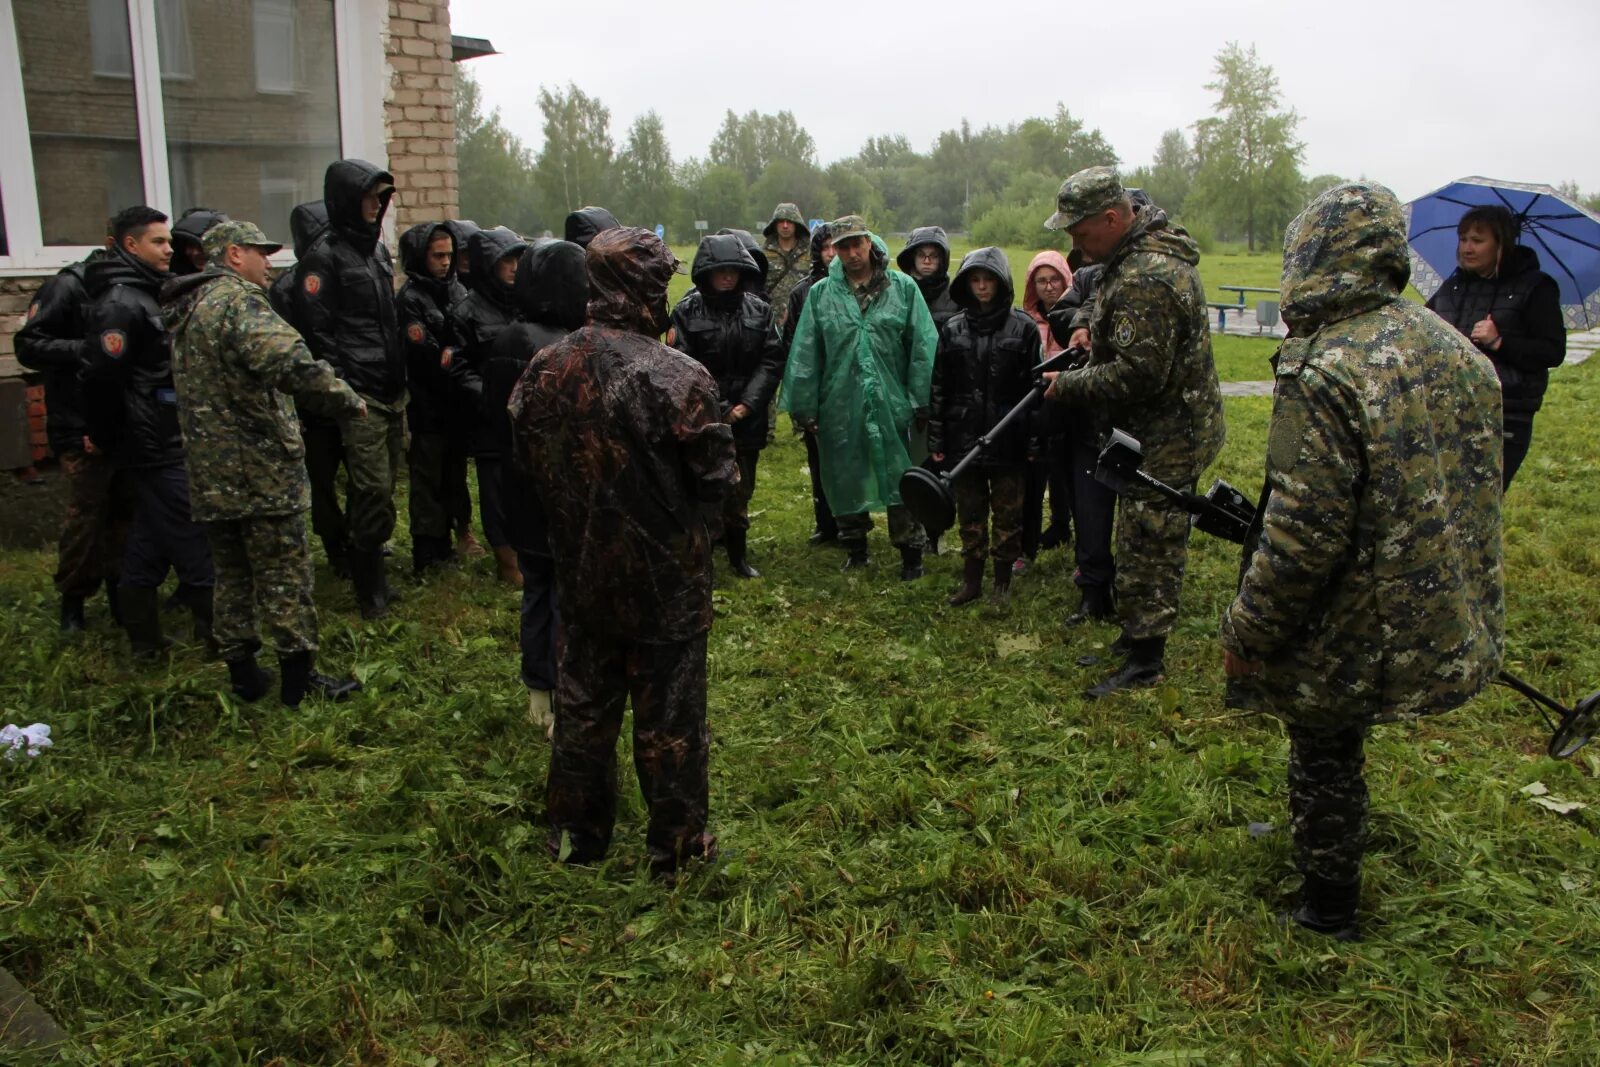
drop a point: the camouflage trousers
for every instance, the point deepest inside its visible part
(671, 744)
(263, 565)
(373, 448)
(94, 531)
(439, 503)
(735, 506)
(1152, 548)
(1328, 802)
(979, 491)
(904, 531)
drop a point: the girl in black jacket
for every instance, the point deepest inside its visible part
(987, 354)
(1500, 299)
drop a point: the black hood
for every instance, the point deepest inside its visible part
(552, 287)
(758, 283)
(306, 223)
(990, 259)
(414, 251)
(488, 247)
(722, 250)
(924, 235)
(819, 237)
(187, 233)
(120, 268)
(343, 186)
(584, 223)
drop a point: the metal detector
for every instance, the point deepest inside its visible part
(930, 497)
(1226, 513)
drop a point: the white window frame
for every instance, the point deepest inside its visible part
(362, 79)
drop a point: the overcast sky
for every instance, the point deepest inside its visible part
(1410, 94)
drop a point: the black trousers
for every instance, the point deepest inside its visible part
(1518, 436)
(491, 506)
(1094, 513)
(819, 503)
(540, 620)
(324, 455)
(164, 535)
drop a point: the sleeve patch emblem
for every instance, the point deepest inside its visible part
(1121, 329)
(414, 331)
(113, 342)
(312, 284)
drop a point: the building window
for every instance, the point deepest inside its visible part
(112, 47)
(276, 70)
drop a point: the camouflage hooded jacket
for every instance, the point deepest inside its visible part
(785, 269)
(1373, 591)
(236, 364)
(1150, 370)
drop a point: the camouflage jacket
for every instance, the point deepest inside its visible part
(1150, 371)
(236, 365)
(1373, 590)
(785, 270)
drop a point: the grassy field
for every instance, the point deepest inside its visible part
(933, 851)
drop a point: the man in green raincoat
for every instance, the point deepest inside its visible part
(859, 375)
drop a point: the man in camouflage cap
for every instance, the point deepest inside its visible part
(1372, 588)
(236, 365)
(1150, 372)
(788, 252)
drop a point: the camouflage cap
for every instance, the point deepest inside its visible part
(236, 232)
(848, 227)
(1086, 192)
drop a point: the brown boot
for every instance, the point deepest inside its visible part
(1002, 581)
(971, 583)
(505, 564)
(467, 546)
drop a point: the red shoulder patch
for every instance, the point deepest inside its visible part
(414, 331)
(112, 342)
(312, 284)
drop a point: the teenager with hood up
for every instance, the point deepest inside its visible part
(437, 471)
(478, 319)
(926, 258)
(824, 530)
(587, 223)
(985, 365)
(729, 330)
(188, 253)
(552, 294)
(462, 230)
(344, 307)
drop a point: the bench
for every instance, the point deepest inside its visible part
(1222, 309)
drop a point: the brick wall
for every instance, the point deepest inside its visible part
(420, 112)
(15, 295)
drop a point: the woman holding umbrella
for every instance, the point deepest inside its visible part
(1500, 299)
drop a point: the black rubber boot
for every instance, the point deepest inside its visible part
(338, 559)
(910, 564)
(1329, 908)
(820, 536)
(1144, 667)
(1119, 647)
(72, 621)
(1002, 582)
(141, 617)
(971, 587)
(372, 587)
(1094, 605)
(250, 681)
(857, 557)
(736, 541)
(299, 680)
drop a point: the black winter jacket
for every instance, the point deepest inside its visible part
(344, 287)
(552, 294)
(306, 223)
(462, 230)
(797, 296)
(984, 366)
(935, 287)
(426, 332)
(478, 318)
(1526, 305)
(129, 400)
(51, 342)
(733, 336)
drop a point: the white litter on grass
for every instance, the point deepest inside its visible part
(1539, 793)
(29, 740)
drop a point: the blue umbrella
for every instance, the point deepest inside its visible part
(1564, 235)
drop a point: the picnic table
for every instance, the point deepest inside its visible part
(1222, 309)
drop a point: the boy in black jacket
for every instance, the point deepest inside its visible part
(987, 354)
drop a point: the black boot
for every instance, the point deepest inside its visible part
(1119, 647)
(114, 600)
(299, 680)
(250, 681)
(1094, 605)
(857, 557)
(971, 587)
(910, 564)
(822, 536)
(372, 586)
(338, 558)
(1002, 582)
(1329, 908)
(141, 617)
(72, 620)
(736, 542)
(1143, 668)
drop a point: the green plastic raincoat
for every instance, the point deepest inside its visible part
(862, 378)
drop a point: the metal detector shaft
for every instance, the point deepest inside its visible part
(1025, 405)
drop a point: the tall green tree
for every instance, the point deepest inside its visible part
(751, 142)
(496, 169)
(1249, 179)
(574, 164)
(647, 191)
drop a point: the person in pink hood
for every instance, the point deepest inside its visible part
(1048, 277)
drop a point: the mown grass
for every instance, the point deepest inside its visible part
(933, 851)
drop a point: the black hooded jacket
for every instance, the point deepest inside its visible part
(187, 234)
(732, 335)
(423, 304)
(552, 295)
(478, 318)
(747, 283)
(797, 296)
(462, 230)
(584, 223)
(935, 287)
(1526, 305)
(344, 287)
(129, 401)
(51, 343)
(306, 223)
(984, 366)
